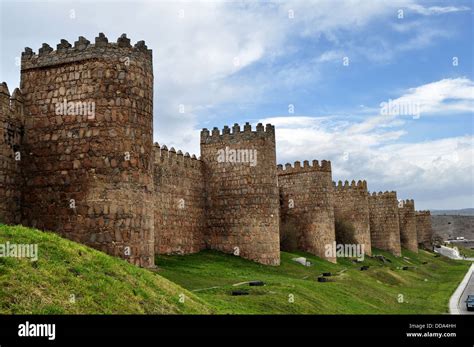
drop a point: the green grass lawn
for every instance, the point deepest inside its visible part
(426, 288)
(467, 252)
(100, 283)
(104, 284)
(463, 251)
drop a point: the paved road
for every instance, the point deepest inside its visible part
(448, 252)
(469, 290)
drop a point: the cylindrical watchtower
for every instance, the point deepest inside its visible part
(242, 192)
(88, 144)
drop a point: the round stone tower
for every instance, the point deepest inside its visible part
(384, 222)
(407, 218)
(88, 144)
(424, 230)
(351, 205)
(11, 133)
(242, 192)
(307, 206)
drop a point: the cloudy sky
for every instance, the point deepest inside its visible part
(383, 89)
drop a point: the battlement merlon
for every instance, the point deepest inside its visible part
(4, 99)
(346, 186)
(407, 203)
(11, 106)
(83, 50)
(163, 154)
(325, 166)
(423, 213)
(386, 194)
(214, 136)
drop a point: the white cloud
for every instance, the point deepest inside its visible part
(450, 95)
(201, 47)
(330, 56)
(201, 50)
(436, 170)
(436, 10)
(195, 65)
(433, 172)
(447, 96)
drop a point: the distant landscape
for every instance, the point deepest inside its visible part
(461, 212)
(450, 224)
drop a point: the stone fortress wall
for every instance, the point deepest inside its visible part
(424, 230)
(407, 219)
(77, 158)
(180, 221)
(11, 136)
(242, 192)
(351, 208)
(87, 149)
(384, 222)
(307, 205)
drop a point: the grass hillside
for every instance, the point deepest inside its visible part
(101, 284)
(104, 284)
(463, 251)
(425, 288)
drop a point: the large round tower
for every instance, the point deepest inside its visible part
(88, 144)
(242, 192)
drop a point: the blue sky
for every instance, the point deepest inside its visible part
(232, 62)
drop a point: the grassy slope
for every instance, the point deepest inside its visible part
(463, 251)
(100, 283)
(426, 288)
(467, 252)
(104, 284)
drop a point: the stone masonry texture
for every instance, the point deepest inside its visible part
(351, 205)
(180, 220)
(307, 205)
(384, 222)
(89, 174)
(424, 230)
(11, 134)
(77, 158)
(242, 195)
(407, 218)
